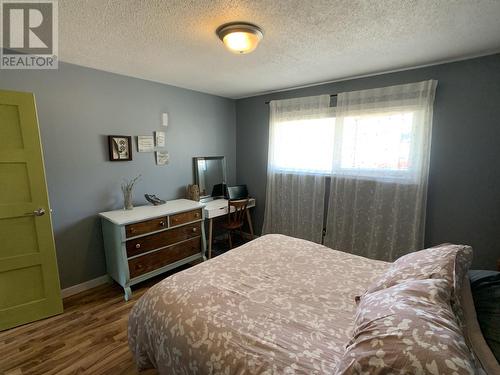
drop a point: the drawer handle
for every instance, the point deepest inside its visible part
(138, 246)
(162, 223)
(197, 214)
(132, 230)
(195, 230)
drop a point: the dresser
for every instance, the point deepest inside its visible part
(148, 240)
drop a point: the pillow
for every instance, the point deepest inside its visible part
(485, 287)
(472, 330)
(447, 261)
(408, 328)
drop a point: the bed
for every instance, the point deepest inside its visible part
(261, 306)
(276, 305)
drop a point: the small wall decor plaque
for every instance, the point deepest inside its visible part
(145, 143)
(120, 147)
(160, 139)
(162, 157)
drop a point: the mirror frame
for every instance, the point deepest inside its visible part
(204, 198)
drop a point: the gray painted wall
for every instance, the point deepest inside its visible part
(464, 186)
(77, 108)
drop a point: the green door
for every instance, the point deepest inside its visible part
(29, 281)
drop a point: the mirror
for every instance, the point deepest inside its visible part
(210, 172)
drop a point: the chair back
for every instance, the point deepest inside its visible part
(236, 217)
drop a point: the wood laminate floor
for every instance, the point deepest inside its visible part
(90, 337)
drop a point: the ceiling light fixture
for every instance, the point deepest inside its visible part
(240, 37)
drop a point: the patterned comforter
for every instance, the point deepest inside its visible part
(274, 305)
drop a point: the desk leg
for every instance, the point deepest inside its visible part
(210, 225)
(249, 219)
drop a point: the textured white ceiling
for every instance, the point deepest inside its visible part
(305, 41)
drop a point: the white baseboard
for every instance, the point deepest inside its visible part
(78, 288)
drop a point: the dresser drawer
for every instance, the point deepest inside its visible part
(143, 227)
(150, 262)
(154, 241)
(184, 217)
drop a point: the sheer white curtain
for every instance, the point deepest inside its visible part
(378, 186)
(301, 136)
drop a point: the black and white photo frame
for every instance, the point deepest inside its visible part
(120, 147)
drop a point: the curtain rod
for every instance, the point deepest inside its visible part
(331, 96)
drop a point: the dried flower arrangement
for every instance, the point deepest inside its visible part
(127, 187)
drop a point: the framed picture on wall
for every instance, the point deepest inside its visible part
(145, 143)
(120, 147)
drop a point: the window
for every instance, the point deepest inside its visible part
(377, 145)
(304, 145)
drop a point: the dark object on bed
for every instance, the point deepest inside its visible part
(485, 287)
(237, 192)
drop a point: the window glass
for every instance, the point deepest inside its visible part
(377, 142)
(304, 145)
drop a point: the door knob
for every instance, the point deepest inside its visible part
(38, 212)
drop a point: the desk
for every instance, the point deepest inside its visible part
(218, 207)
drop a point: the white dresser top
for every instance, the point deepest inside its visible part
(140, 213)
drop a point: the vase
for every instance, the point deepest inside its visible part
(127, 200)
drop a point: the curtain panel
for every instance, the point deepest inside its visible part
(378, 191)
(298, 162)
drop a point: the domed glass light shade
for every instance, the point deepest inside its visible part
(240, 38)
